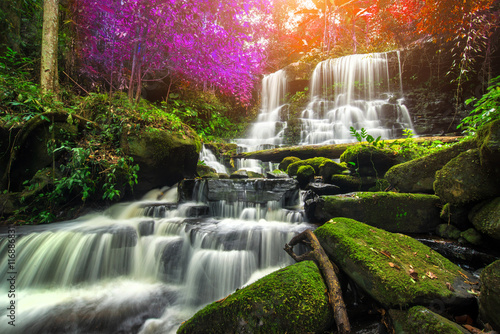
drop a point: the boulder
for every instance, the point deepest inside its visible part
(489, 299)
(290, 300)
(369, 160)
(448, 231)
(287, 162)
(313, 162)
(329, 168)
(486, 218)
(456, 215)
(419, 319)
(206, 172)
(463, 180)
(277, 174)
(418, 175)
(323, 189)
(164, 158)
(394, 212)
(349, 183)
(488, 140)
(471, 236)
(305, 174)
(395, 269)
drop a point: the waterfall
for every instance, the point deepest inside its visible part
(211, 160)
(147, 266)
(353, 91)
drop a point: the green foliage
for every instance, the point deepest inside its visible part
(364, 136)
(486, 109)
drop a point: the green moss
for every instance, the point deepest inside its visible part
(289, 300)
(286, 162)
(313, 162)
(419, 319)
(305, 174)
(382, 263)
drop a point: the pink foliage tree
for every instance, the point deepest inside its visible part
(204, 42)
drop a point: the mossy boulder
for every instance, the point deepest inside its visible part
(448, 231)
(394, 269)
(456, 215)
(394, 212)
(313, 162)
(329, 168)
(206, 172)
(419, 319)
(489, 299)
(277, 174)
(290, 300)
(486, 218)
(164, 158)
(369, 160)
(287, 162)
(305, 174)
(463, 180)
(488, 140)
(350, 183)
(471, 236)
(418, 175)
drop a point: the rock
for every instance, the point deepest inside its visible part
(489, 299)
(488, 139)
(239, 174)
(456, 215)
(448, 231)
(418, 175)
(206, 172)
(463, 180)
(146, 227)
(419, 319)
(290, 300)
(329, 168)
(323, 189)
(472, 236)
(277, 174)
(163, 158)
(486, 218)
(349, 183)
(394, 212)
(313, 162)
(369, 160)
(305, 174)
(254, 175)
(394, 269)
(287, 162)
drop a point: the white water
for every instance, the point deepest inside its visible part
(141, 267)
(211, 160)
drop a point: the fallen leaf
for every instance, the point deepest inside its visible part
(386, 253)
(471, 283)
(373, 231)
(472, 329)
(473, 292)
(450, 287)
(427, 256)
(413, 274)
(392, 265)
(463, 275)
(431, 275)
(415, 254)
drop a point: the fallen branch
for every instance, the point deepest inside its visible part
(326, 267)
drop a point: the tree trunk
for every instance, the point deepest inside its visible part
(48, 70)
(319, 256)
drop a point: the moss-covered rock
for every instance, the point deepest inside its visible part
(206, 172)
(456, 215)
(488, 140)
(395, 269)
(277, 174)
(472, 236)
(287, 162)
(419, 175)
(164, 158)
(463, 180)
(370, 160)
(313, 162)
(486, 218)
(350, 183)
(305, 174)
(290, 300)
(419, 319)
(489, 299)
(448, 231)
(394, 212)
(329, 168)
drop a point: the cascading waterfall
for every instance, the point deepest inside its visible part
(353, 91)
(211, 160)
(147, 266)
(268, 130)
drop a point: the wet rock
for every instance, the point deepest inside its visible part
(277, 174)
(489, 299)
(418, 175)
(394, 212)
(369, 160)
(463, 180)
(486, 218)
(323, 189)
(146, 228)
(392, 268)
(239, 174)
(456, 215)
(289, 300)
(448, 231)
(305, 174)
(206, 172)
(419, 319)
(349, 183)
(472, 236)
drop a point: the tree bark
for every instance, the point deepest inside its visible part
(48, 68)
(319, 256)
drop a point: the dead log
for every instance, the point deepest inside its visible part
(318, 255)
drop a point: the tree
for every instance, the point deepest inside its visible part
(48, 68)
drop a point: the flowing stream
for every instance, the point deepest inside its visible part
(147, 266)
